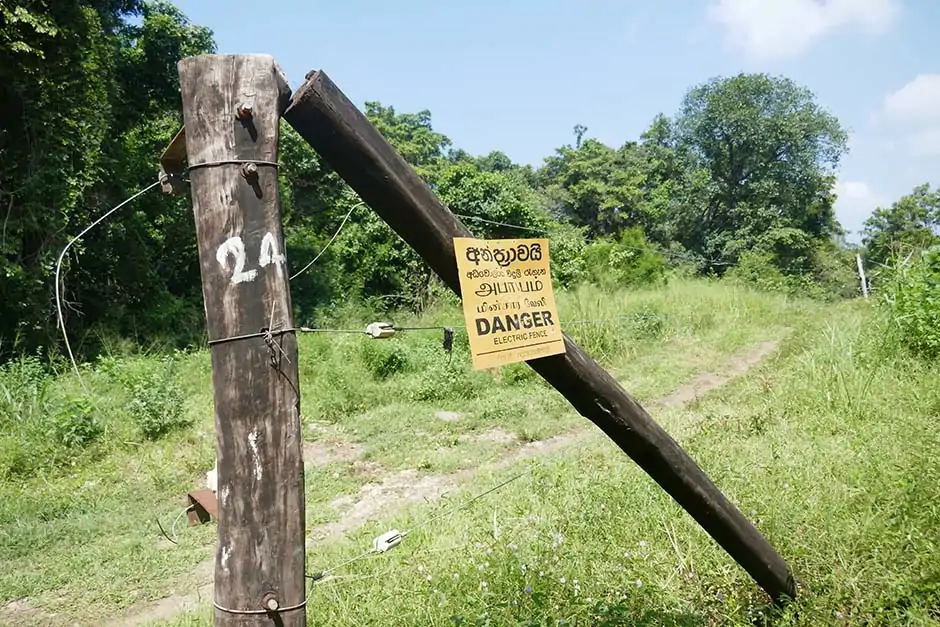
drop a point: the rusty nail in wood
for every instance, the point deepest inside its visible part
(249, 171)
(243, 112)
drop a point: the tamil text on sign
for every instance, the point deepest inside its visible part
(508, 300)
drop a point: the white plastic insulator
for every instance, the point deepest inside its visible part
(212, 478)
(387, 540)
(380, 330)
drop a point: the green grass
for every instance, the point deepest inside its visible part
(829, 446)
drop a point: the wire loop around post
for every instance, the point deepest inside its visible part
(208, 164)
(280, 610)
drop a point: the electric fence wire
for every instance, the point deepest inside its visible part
(58, 273)
(323, 250)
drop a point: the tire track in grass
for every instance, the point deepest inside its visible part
(397, 490)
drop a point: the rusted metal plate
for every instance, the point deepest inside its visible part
(173, 164)
(203, 507)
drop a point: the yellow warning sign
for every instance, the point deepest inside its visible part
(508, 300)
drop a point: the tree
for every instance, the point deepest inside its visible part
(412, 135)
(493, 196)
(771, 153)
(607, 190)
(910, 224)
(579, 131)
(89, 98)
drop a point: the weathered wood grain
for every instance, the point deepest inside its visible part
(353, 147)
(260, 555)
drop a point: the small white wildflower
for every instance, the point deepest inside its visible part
(562, 580)
(483, 585)
(429, 577)
(456, 575)
(489, 551)
(642, 543)
(420, 568)
(639, 582)
(524, 569)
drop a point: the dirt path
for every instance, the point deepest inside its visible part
(398, 490)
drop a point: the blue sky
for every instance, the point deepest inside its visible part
(517, 75)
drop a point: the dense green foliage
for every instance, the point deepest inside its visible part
(908, 226)
(89, 98)
(912, 302)
(740, 179)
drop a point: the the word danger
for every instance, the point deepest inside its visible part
(514, 322)
(504, 256)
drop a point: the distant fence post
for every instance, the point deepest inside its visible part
(861, 275)
(231, 108)
(342, 135)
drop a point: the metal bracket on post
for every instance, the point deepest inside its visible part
(203, 507)
(173, 165)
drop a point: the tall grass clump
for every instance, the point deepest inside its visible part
(42, 427)
(911, 301)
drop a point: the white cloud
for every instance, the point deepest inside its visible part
(855, 202)
(913, 111)
(777, 29)
(926, 142)
(917, 102)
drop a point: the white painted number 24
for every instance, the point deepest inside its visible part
(235, 247)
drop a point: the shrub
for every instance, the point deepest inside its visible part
(156, 401)
(566, 248)
(836, 272)
(75, 425)
(41, 430)
(758, 269)
(912, 302)
(384, 358)
(631, 261)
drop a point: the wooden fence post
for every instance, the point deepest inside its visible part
(342, 135)
(231, 108)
